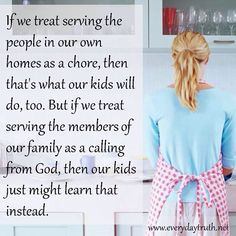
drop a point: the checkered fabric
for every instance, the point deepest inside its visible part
(165, 179)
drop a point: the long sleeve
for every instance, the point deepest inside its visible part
(228, 147)
(151, 133)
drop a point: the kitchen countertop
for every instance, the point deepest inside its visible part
(231, 196)
(123, 203)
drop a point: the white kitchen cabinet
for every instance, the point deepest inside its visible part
(5, 2)
(41, 230)
(157, 39)
(132, 230)
(232, 217)
(99, 230)
(7, 230)
(145, 5)
(58, 224)
(75, 2)
(94, 1)
(130, 224)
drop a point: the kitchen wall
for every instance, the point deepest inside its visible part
(158, 71)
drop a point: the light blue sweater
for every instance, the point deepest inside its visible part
(189, 141)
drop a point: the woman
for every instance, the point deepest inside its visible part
(190, 136)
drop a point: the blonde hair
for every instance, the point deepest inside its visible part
(189, 49)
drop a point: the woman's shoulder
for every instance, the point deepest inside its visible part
(221, 98)
(159, 94)
(225, 99)
(225, 96)
(156, 100)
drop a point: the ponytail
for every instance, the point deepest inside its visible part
(187, 70)
(189, 49)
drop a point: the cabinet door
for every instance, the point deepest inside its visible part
(216, 19)
(156, 39)
(48, 231)
(94, 2)
(99, 230)
(131, 230)
(7, 230)
(145, 4)
(130, 224)
(6, 2)
(232, 218)
(56, 224)
(75, 2)
(41, 230)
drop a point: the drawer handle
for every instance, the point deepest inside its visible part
(224, 41)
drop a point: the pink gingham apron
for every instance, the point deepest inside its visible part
(165, 179)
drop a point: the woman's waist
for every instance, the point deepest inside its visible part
(188, 193)
(190, 162)
(186, 186)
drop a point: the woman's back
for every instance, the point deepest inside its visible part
(190, 141)
(187, 130)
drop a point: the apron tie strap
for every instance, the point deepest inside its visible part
(200, 193)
